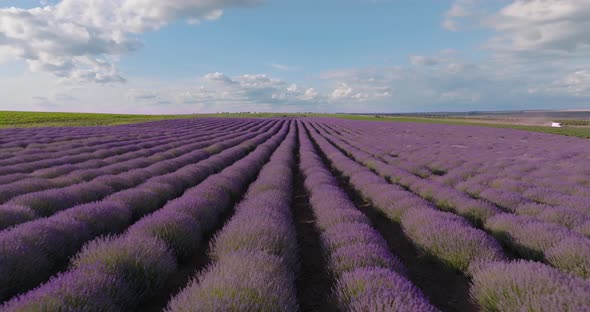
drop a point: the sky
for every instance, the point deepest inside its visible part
(382, 56)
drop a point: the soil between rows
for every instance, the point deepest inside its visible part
(190, 268)
(314, 282)
(198, 261)
(509, 250)
(446, 289)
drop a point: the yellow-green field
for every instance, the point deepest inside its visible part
(42, 119)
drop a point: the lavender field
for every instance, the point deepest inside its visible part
(293, 214)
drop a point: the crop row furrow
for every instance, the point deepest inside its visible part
(45, 203)
(513, 180)
(22, 140)
(455, 242)
(139, 261)
(26, 164)
(528, 237)
(172, 141)
(369, 277)
(254, 256)
(108, 166)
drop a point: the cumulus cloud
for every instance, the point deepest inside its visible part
(576, 83)
(456, 84)
(459, 9)
(541, 46)
(82, 40)
(142, 94)
(423, 60)
(283, 67)
(543, 26)
(529, 28)
(215, 90)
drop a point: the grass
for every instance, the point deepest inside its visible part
(41, 119)
(568, 131)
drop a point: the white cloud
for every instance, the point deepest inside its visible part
(530, 28)
(283, 67)
(539, 58)
(142, 94)
(220, 77)
(82, 40)
(452, 85)
(459, 9)
(543, 26)
(423, 60)
(252, 91)
(341, 91)
(576, 83)
(450, 24)
(310, 94)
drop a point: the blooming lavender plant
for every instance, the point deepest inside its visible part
(379, 290)
(84, 291)
(449, 238)
(527, 286)
(14, 214)
(571, 255)
(240, 281)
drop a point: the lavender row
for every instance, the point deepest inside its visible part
(112, 166)
(44, 203)
(523, 285)
(527, 286)
(542, 241)
(576, 219)
(92, 144)
(106, 158)
(531, 157)
(444, 197)
(255, 254)
(93, 139)
(531, 238)
(85, 145)
(119, 272)
(526, 172)
(202, 126)
(35, 162)
(369, 277)
(19, 138)
(172, 141)
(518, 199)
(35, 242)
(38, 150)
(445, 236)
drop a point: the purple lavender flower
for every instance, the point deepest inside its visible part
(143, 262)
(345, 233)
(380, 290)
(360, 255)
(528, 236)
(449, 238)
(14, 214)
(87, 290)
(181, 233)
(583, 228)
(571, 255)
(240, 281)
(527, 286)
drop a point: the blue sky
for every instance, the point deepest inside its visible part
(183, 56)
